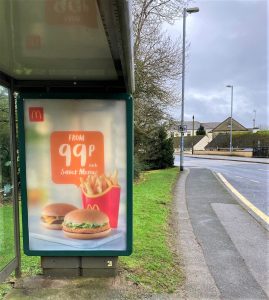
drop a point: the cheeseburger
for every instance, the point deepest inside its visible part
(53, 215)
(86, 224)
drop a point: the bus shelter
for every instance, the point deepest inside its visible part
(66, 79)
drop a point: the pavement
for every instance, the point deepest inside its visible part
(199, 283)
(234, 246)
(232, 158)
(223, 249)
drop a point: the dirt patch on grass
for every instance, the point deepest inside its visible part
(46, 288)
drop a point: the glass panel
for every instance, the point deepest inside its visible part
(7, 250)
(76, 158)
(54, 39)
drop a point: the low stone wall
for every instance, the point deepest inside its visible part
(225, 153)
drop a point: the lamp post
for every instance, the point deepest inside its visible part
(185, 11)
(231, 126)
(192, 134)
(254, 119)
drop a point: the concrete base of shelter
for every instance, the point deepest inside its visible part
(79, 266)
(99, 272)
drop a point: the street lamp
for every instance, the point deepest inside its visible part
(185, 11)
(192, 134)
(254, 119)
(231, 126)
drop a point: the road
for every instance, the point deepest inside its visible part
(250, 179)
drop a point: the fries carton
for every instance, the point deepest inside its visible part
(108, 202)
(102, 192)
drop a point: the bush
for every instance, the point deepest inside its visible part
(154, 151)
(137, 167)
(201, 131)
(162, 153)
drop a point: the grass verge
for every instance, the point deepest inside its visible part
(153, 263)
(7, 251)
(30, 265)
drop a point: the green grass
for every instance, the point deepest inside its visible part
(153, 264)
(30, 265)
(7, 252)
(6, 242)
(263, 132)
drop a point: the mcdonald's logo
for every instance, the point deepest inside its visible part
(93, 207)
(36, 114)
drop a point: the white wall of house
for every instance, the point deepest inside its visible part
(254, 130)
(188, 133)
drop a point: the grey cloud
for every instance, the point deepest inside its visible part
(228, 45)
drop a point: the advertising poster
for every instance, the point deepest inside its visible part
(75, 153)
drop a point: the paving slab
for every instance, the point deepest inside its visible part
(249, 238)
(227, 266)
(199, 283)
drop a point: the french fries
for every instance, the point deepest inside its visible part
(94, 185)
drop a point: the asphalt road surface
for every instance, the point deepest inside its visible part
(250, 179)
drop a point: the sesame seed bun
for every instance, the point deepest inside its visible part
(57, 209)
(53, 215)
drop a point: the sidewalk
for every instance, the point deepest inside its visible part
(234, 246)
(232, 158)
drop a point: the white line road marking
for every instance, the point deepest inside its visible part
(257, 211)
(248, 179)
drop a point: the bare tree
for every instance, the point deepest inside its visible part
(157, 67)
(157, 58)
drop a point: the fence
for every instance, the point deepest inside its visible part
(261, 152)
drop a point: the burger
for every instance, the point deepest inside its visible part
(86, 224)
(53, 215)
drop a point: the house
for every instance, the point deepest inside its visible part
(175, 132)
(225, 127)
(191, 128)
(209, 126)
(212, 130)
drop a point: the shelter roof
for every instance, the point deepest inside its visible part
(66, 43)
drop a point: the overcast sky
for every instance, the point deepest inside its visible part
(228, 45)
